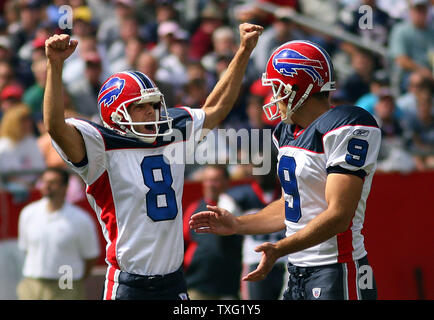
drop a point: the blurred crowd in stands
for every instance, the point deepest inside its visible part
(186, 45)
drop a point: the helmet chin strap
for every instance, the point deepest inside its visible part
(300, 102)
(287, 119)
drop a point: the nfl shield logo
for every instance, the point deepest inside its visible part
(316, 292)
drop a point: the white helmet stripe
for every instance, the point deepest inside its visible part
(145, 80)
(131, 75)
(326, 58)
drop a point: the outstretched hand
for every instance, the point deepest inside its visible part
(217, 221)
(59, 47)
(269, 257)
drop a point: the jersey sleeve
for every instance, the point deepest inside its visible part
(94, 163)
(352, 149)
(188, 121)
(197, 118)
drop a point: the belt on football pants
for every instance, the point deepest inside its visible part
(151, 282)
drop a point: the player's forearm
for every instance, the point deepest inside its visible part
(66, 136)
(326, 225)
(221, 100)
(268, 220)
(53, 107)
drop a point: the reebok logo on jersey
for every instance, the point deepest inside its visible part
(361, 132)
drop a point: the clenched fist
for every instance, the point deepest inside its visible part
(59, 47)
(249, 34)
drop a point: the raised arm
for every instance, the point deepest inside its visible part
(57, 49)
(221, 100)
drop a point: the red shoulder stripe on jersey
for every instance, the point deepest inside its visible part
(101, 191)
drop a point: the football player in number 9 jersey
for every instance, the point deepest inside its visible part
(326, 161)
(135, 191)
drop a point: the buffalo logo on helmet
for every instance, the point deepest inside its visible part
(110, 91)
(288, 61)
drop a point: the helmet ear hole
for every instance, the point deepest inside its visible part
(294, 87)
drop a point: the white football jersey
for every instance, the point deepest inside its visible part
(345, 139)
(136, 193)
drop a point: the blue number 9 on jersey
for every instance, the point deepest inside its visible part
(289, 184)
(161, 198)
(357, 150)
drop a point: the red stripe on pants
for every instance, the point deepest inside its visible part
(352, 280)
(110, 283)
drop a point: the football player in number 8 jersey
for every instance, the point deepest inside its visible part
(327, 158)
(135, 191)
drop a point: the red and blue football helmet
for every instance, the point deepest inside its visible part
(123, 89)
(295, 71)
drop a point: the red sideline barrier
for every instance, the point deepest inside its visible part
(10, 211)
(399, 235)
(398, 229)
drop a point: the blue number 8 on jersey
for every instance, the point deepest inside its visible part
(161, 198)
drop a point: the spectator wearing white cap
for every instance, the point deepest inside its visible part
(166, 31)
(173, 68)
